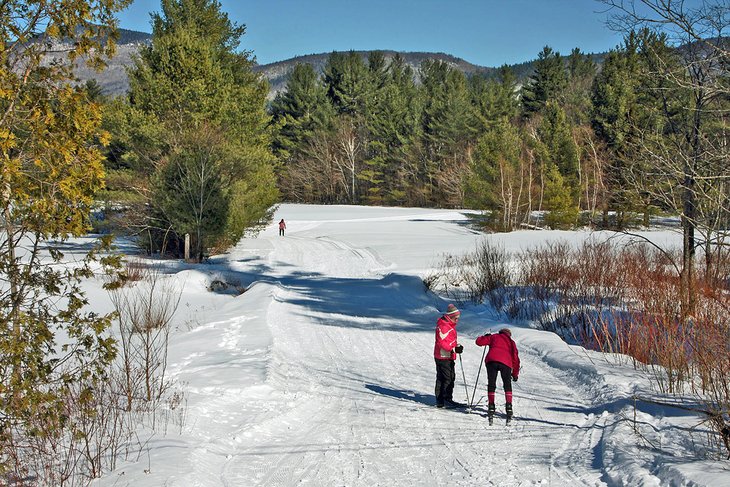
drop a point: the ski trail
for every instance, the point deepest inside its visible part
(552, 402)
(324, 256)
(336, 387)
(354, 393)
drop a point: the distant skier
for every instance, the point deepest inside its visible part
(502, 359)
(282, 227)
(444, 353)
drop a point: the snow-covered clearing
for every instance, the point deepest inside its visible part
(322, 374)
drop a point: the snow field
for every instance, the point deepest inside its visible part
(322, 374)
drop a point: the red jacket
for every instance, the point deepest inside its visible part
(445, 339)
(501, 349)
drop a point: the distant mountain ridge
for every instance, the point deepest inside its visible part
(114, 81)
(278, 72)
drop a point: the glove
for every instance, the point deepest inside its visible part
(487, 335)
(514, 378)
(459, 348)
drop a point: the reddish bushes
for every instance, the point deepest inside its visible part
(616, 299)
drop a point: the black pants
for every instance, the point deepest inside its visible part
(281, 232)
(445, 377)
(493, 368)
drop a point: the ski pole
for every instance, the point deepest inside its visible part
(475, 404)
(474, 393)
(463, 376)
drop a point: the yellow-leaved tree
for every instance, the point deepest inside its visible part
(53, 351)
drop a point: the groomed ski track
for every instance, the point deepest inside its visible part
(334, 345)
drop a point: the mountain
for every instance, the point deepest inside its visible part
(113, 80)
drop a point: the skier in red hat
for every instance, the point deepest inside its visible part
(444, 352)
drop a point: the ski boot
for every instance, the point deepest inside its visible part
(508, 411)
(450, 404)
(490, 413)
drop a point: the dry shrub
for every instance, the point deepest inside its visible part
(134, 270)
(76, 450)
(550, 275)
(623, 300)
(99, 418)
(627, 300)
(144, 314)
(487, 274)
(483, 274)
(545, 269)
(448, 279)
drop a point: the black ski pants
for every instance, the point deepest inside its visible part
(445, 378)
(494, 368)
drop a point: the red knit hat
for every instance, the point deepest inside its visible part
(452, 311)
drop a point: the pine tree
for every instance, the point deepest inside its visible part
(558, 200)
(495, 100)
(581, 71)
(562, 190)
(615, 95)
(449, 131)
(547, 83)
(300, 113)
(625, 105)
(300, 110)
(191, 80)
(556, 133)
(393, 125)
(348, 83)
(500, 176)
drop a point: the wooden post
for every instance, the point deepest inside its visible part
(187, 247)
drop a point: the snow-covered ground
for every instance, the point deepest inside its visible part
(322, 373)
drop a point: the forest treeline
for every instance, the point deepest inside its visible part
(371, 131)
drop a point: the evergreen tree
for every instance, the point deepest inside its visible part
(393, 125)
(299, 113)
(614, 97)
(556, 133)
(52, 350)
(378, 72)
(561, 207)
(547, 83)
(494, 100)
(615, 93)
(499, 180)
(300, 110)
(681, 142)
(191, 80)
(348, 83)
(577, 99)
(449, 131)
(625, 105)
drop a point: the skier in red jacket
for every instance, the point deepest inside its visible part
(502, 359)
(444, 352)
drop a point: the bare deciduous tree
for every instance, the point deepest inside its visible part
(144, 312)
(691, 153)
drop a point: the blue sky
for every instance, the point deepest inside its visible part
(484, 32)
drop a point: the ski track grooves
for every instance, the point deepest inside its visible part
(340, 410)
